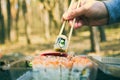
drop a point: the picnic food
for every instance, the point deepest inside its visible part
(61, 43)
(51, 67)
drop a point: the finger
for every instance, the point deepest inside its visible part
(70, 22)
(77, 23)
(71, 7)
(70, 14)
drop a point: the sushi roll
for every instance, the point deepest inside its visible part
(61, 43)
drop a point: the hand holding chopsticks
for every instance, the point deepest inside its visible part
(62, 42)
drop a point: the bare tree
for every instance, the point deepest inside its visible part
(24, 9)
(9, 20)
(95, 47)
(102, 34)
(2, 27)
(47, 25)
(16, 20)
(49, 6)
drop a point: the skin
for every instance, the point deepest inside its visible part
(90, 13)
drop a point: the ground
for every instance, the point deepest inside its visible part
(80, 44)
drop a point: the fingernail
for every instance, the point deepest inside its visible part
(76, 25)
(70, 22)
(79, 24)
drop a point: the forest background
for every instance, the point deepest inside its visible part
(28, 27)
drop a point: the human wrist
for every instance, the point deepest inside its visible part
(113, 10)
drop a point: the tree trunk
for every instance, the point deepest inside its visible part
(95, 47)
(9, 20)
(102, 34)
(47, 23)
(2, 27)
(16, 20)
(61, 7)
(26, 30)
(24, 9)
(51, 17)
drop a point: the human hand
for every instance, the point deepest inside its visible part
(90, 13)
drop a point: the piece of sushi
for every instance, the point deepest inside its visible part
(61, 43)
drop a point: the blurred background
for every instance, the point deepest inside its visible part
(28, 27)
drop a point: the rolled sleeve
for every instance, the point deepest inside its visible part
(113, 7)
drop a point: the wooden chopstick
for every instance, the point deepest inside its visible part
(64, 22)
(71, 30)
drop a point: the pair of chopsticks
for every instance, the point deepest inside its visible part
(74, 20)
